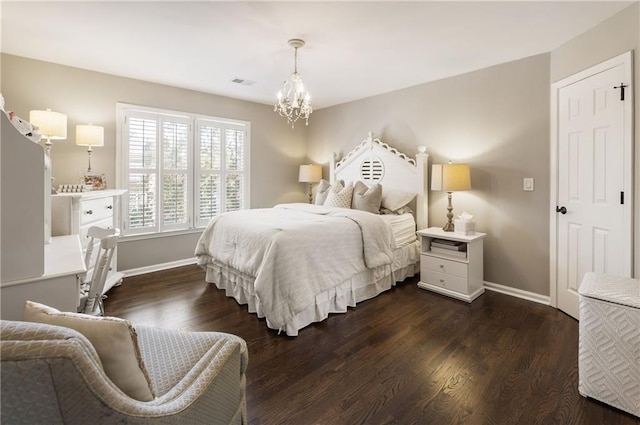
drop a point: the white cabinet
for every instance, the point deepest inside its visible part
(24, 187)
(457, 273)
(57, 287)
(75, 213)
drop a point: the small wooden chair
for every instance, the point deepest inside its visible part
(97, 271)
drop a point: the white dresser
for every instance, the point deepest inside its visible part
(74, 213)
(455, 274)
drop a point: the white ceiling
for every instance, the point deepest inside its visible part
(354, 49)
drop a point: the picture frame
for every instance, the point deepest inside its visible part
(94, 181)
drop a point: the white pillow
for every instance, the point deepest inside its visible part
(339, 196)
(366, 198)
(115, 341)
(399, 211)
(395, 199)
(322, 191)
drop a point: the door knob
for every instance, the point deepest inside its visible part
(561, 210)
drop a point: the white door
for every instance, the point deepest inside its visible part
(592, 210)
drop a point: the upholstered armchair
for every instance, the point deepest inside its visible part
(53, 374)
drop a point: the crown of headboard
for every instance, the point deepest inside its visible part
(374, 161)
(368, 144)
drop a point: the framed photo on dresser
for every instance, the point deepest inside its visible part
(94, 181)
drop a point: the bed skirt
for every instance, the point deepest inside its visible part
(360, 287)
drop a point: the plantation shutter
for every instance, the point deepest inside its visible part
(175, 173)
(180, 170)
(142, 177)
(221, 168)
(234, 190)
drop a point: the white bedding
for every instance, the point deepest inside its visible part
(294, 252)
(403, 227)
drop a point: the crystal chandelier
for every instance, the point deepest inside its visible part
(293, 103)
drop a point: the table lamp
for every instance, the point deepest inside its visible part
(89, 135)
(310, 174)
(51, 125)
(450, 178)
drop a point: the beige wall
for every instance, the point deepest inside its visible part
(87, 96)
(497, 121)
(613, 37)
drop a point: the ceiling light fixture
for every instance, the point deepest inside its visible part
(293, 103)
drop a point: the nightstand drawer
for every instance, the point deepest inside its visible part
(442, 265)
(442, 280)
(96, 209)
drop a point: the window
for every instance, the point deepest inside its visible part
(180, 169)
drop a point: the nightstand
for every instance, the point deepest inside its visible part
(453, 265)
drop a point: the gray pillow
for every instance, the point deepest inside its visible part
(322, 191)
(367, 198)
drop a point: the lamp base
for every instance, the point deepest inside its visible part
(449, 227)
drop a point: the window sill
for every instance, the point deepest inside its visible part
(143, 236)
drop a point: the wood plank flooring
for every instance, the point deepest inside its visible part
(407, 356)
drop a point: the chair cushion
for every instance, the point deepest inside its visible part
(115, 341)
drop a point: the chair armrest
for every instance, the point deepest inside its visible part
(212, 388)
(169, 355)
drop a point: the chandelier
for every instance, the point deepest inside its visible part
(293, 103)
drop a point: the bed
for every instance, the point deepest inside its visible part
(294, 264)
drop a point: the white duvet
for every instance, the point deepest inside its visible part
(295, 251)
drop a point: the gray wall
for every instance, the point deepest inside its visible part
(87, 96)
(497, 121)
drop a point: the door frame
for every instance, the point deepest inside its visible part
(625, 59)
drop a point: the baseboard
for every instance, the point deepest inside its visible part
(507, 290)
(158, 267)
(518, 293)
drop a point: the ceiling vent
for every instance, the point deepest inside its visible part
(243, 81)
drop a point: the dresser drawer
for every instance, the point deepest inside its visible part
(106, 223)
(453, 283)
(95, 210)
(442, 265)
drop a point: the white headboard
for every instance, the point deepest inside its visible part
(373, 161)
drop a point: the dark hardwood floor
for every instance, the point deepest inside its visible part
(407, 356)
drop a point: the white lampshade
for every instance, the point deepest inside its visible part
(89, 135)
(450, 177)
(52, 125)
(310, 173)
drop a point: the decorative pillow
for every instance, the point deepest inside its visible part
(395, 199)
(340, 196)
(366, 198)
(322, 191)
(399, 211)
(115, 341)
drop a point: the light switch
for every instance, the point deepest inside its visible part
(527, 184)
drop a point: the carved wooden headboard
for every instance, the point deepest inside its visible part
(374, 161)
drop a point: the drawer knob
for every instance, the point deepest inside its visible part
(110, 207)
(89, 212)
